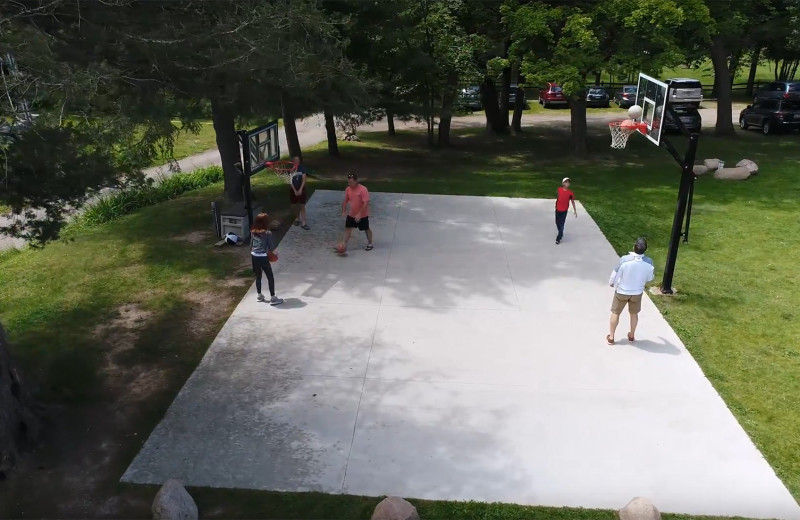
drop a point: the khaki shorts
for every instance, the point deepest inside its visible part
(633, 301)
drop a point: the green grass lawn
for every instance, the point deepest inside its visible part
(188, 143)
(110, 325)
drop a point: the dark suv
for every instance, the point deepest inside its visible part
(771, 115)
(689, 116)
(777, 90)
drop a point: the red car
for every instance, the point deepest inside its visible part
(552, 95)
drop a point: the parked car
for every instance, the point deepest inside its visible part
(777, 90)
(684, 91)
(551, 95)
(771, 115)
(689, 116)
(597, 97)
(626, 96)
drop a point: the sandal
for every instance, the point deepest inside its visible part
(609, 339)
(630, 337)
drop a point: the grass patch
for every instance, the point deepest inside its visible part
(107, 324)
(188, 143)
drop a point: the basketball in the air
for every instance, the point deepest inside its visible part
(635, 112)
(340, 248)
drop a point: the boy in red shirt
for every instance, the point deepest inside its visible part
(357, 196)
(564, 197)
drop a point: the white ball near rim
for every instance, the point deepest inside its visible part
(635, 112)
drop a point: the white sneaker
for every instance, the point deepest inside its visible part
(261, 298)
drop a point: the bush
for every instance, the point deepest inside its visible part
(127, 201)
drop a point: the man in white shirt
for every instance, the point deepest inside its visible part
(629, 277)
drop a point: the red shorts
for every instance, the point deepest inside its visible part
(297, 199)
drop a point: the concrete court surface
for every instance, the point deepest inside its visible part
(464, 358)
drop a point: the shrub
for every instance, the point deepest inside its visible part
(124, 202)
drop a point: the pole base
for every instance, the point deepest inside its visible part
(656, 291)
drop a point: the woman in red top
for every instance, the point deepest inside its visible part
(565, 196)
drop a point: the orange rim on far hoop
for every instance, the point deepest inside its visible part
(283, 169)
(621, 129)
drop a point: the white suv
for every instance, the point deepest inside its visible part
(684, 91)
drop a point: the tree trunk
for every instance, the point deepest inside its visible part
(489, 99)
(519, 106)
(733, 65)
(598, 76)
(719, 58)
(289, 126)
(222, 116)
(577, 114)
(505, 91)
(446, 115)
(19, 415)
(330, 129)
(751, 78)
(430, 119)
(390, 121)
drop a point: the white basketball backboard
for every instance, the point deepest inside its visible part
(263, 146)
(652, 97)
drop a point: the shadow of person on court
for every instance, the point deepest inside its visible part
(291, 303)
(656, 347)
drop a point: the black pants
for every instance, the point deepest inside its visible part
(561, 218)
(261, 263)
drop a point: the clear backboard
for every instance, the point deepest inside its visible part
(263, 145)
(652, 97)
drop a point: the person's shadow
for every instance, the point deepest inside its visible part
(291, 303)
(662, 347)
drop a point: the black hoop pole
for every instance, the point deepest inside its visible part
(687, 179)
(246, 170)
(689, 211)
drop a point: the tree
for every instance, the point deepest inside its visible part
(211, 55)
(780, 38)
(442, 61)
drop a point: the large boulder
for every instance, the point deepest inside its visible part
(732, 174)
(711, 164)
(750, 165)
(395, 508)
(173, 502)
(639, 509)
(700, 169)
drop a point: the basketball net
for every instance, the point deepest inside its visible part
(621, 129)
(283, 169)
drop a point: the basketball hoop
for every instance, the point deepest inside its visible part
(283, 169)
(621, 129)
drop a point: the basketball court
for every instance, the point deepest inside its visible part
(462, 359)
